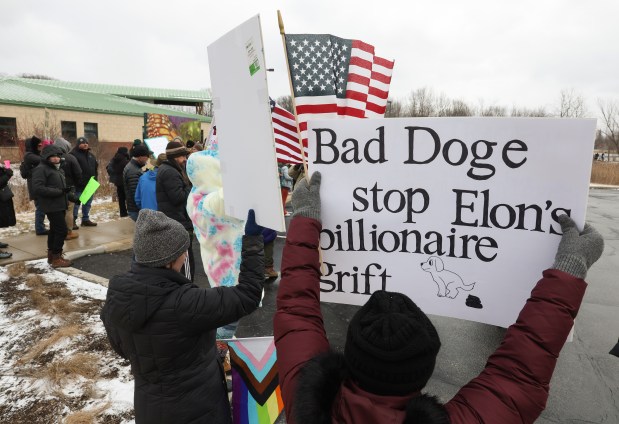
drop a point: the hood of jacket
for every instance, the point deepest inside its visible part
(325, 394)
(32, 144)
(150, 175)
(64, 145)
(51, 150)
(134, 297)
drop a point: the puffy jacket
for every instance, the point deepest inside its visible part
(32, 158)
(512, 389)
(117, 166)
(172, 194)
(166, 327)
(88, 164)
(131, 177)
(7, 211)
(48, 183)
(72, 170)
(146, 194)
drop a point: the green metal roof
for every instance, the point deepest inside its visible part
(140, 93)
(25, 92)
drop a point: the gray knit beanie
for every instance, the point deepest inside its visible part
(158, 239)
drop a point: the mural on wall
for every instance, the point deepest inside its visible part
(159, 125)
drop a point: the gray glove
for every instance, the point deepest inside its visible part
(306, 197)
(577, 251)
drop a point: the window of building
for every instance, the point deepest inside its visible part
(91, 131)
(68, 130)
(8, 131)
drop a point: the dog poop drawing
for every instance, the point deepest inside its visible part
(449, 283)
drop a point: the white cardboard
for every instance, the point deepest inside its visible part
(556, 170)
(157, 145)
(244, 126)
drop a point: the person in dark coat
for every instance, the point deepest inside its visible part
(50, 188)
(7, 210)
(131, 177)
(115, 171)
(173, 188)
(166, 326)
(391, 345)
(89, 165)
(32, 158)
(72, 173)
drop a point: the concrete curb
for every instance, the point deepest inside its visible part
(114, 246)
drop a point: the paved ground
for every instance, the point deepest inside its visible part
(585, 386)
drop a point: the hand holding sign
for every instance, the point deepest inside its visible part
(306, 197)
(577, 250)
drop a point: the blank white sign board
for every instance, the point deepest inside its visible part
(244, 126)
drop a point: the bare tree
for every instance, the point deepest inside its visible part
(540, 112)
(395, 108)
(610, 122)
(421, 102)
(459, 108)
(286, 103)
(572, 104)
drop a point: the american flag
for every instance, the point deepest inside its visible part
(333, 76)
(287, 147)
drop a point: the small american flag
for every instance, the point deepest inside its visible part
(287, 149)
(333, 76)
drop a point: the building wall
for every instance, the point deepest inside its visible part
(112, 128)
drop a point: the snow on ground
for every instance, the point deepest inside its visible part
(56, 364)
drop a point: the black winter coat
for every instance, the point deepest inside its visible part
(48, 184)
(172, 194)
(88, 164)
(166, 327)
(7, 211)
(131, 177)
(117, 165)
(32, 158)
(72, 170)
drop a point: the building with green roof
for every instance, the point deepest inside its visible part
(109, 113)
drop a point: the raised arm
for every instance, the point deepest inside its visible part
(513, 388)
(204, 309)
(298, 325)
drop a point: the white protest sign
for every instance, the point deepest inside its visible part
(244, 126)
(460, 214)
(156, 145)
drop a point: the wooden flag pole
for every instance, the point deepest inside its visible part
(280, 21)
(294, 106)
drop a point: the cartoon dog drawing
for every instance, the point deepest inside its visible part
(449, 283)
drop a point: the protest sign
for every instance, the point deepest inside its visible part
(89, 190)
(460, 214)
(156, 145)
(244, 126)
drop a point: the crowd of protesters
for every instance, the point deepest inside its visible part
(166, 326)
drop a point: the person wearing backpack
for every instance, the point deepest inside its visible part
(32, 158)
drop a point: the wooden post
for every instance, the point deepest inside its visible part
(294, 106)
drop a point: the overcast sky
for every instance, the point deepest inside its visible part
(505, 53)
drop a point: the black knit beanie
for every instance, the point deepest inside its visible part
(391, 345)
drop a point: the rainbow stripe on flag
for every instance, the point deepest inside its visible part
(256, 396)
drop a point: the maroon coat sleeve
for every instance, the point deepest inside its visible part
(298, 326)
(513, 388)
